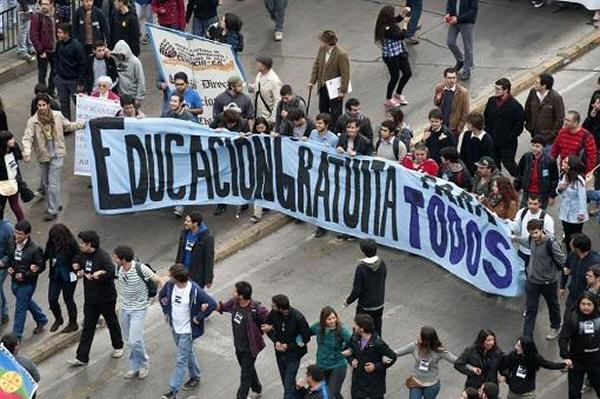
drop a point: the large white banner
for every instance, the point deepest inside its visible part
(89, 108)
(153, 163)
(207, 64)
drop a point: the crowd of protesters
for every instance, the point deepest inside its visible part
(98, 54)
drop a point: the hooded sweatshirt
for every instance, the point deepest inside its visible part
(369, 284)
(131, 73)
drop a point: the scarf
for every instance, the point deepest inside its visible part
(47, 123)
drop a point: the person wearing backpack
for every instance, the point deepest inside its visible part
(139, 284)
(389, 146)
(247, 316)
(573, 139)
(266, 88)
(453, 169)
(547, 258)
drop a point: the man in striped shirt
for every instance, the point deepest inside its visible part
(134, 304)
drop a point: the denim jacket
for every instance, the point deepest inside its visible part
(573, 201)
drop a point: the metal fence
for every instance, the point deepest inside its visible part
(8, 28)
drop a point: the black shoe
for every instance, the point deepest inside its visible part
(320, 232)
(245, 207)
(169, 395)
(459, 65)
(71, 327)
(4, 319)
(221, 209)
(57, 323)
(298, 221)
(191, 384)
(465, 75)
(49, 216)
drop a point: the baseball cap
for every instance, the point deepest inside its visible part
(486, 161)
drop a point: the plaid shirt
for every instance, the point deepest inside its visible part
(392, 48)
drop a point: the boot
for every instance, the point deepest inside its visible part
(58, 321)
(71, 327)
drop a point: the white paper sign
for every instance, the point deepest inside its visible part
(333, 87)
(89, 108)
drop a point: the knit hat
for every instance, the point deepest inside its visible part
(329, 37)
(266, 61)
(234, 81)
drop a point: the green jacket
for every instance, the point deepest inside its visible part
(330, 347)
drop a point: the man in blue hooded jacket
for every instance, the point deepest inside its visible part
(196, 250)
(185, 306)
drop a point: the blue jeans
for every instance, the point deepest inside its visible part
(466, 30)
(276, 9)
(200, 26)
(288, 368)
(416, 8)
(24, 45)
(4, 310)
(132, 322)
(186, 358)
(24, 295)
(425, 392)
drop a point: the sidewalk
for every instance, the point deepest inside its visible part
(12, 67)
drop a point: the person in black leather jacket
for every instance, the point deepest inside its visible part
(480, 362)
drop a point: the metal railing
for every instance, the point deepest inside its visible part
(8, 28)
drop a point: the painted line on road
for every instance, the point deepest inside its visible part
(576, 83)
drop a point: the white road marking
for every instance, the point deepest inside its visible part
(579, 81)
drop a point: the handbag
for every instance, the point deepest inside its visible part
(411, 382)
(8, 188)
(25, 192)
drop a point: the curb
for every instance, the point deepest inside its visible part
(55, 343)
(525, 80)
(15, 68)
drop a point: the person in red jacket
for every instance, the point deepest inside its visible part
(419, 160)
(42, 34)
(573, 139)
(171, 13)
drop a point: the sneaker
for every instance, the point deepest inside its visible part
(27, 57)
(143, 373)
(391, 102)
(117, 353)
(553, 334)
(465, 75)
(191, 384)
(412, 41)
(130, 375)
(48, 217)
(537, 3)
(178, 211)
(255, 219)
(401, 99)
(278, 36)
(169, 395)
(39, 194)
(77, 363)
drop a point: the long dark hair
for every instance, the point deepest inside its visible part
(429, 340)
(482, 336)
(262, 121)
(5, 137)
(506, 190)
(530, 352)
(233, 23)
(60, 238)
(576, 169)
(385, 19)
(325, 313)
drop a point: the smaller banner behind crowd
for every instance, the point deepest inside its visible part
(89, 108)
(15, 381)
(207, 64)
(152, 163)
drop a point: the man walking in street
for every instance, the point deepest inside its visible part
(70, 68)
(177, 110)
(332, 62)
(7, 232)
(247, 317)
(369, 357)
(460, 17)
(234, 94)
(196, 250)
(90, 25)
(573, 139)
(521, 235)
(314, 385)
(544, 109)
(453, 100)
(125, 26)
(504, 119)
(547, 258)
(192, 100)
(43, 38)
(135, 278)
(353, 111)
(537, 174)
(98, 64)
(95, 266)
(266, 87)
(185, 306)
(276, 9)
(290, 333)
(289, 100)
(369, 284)
(577, 264)
(24, 262)
(132, 80)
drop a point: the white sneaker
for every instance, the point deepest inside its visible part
(553, 334)
(278, 36)
(76, 363)
(178, 211)
(143, 373)
(130, 375)
(117, 353)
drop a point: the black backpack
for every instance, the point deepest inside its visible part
(151, 285)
